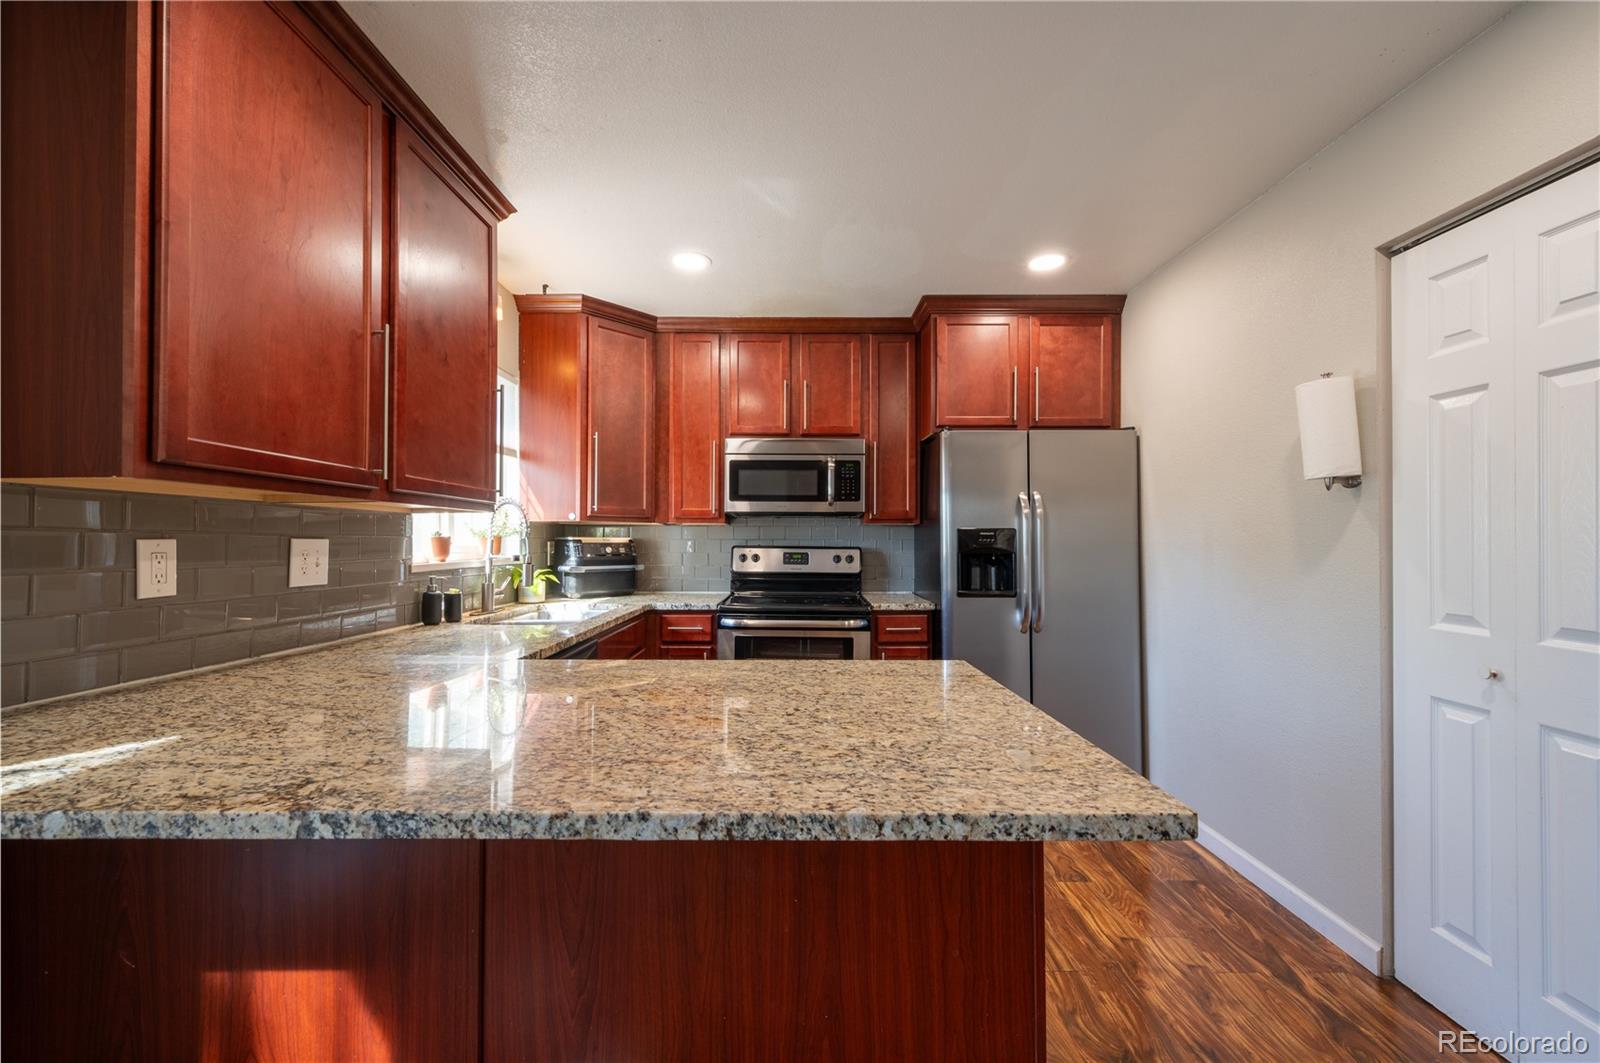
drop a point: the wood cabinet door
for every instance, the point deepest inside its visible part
(694, 428)
(758, 397)
(891, 430)
(977, 368)
(830, 372)
(619, 421)
(267, 301)
(444, 427)
(1072, 370)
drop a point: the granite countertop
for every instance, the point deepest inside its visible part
(455, 731)
(898, 602)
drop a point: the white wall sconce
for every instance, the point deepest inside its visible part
(1330, 441)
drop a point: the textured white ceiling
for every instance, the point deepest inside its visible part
(848, 158)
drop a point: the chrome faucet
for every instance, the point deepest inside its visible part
(486, 601)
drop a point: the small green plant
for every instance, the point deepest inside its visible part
(504, 523)
(544, 575)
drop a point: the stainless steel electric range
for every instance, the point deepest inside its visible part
(795, 603)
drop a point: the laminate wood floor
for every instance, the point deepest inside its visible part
(1159, 951)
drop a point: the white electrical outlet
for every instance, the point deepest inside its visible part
(308, 562)
(157, 562)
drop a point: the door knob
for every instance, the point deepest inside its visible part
(1493, 673)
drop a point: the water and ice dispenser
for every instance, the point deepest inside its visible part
(988, 560)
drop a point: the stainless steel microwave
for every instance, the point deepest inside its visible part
(795, 476)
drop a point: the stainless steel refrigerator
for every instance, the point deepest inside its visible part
(1030, 545)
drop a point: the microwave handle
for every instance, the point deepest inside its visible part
(830, 481)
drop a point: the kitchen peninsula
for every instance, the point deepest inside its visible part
(434, 844)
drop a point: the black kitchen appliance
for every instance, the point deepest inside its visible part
(596, 567)
(795, 602)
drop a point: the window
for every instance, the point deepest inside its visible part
(468, 530)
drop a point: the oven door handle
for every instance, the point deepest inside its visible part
(599, 568)
(794, 625)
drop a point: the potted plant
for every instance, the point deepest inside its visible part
(502, 526)
(542, 578)
(441, 546)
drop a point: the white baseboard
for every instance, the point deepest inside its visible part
(1324, 921)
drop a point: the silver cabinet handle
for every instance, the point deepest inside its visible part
(594, 472)
(1038, 567)
(1013, 394)
(680, 627)
(785, 405)
(907, 630)
(388, 348)
(1035, 393)
(1025, 577)
(499, 438)
(805, 402)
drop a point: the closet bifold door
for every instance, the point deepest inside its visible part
(267, 330)
(1497, 616)
(1556, 380)
(443, 438)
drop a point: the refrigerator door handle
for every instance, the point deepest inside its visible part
(1040, 581)
(1024, 555)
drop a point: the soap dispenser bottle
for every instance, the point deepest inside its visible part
(432, 602)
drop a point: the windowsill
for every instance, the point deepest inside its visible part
(473, 562)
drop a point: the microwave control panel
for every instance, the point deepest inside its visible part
(847, 480)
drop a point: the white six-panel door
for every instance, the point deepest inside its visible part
(1497, 616)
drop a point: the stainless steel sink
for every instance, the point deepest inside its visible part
(560, 613)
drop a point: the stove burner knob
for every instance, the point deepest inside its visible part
(608, 549)
(836, 559)
(744, 557)
(755, 557)
(849, 559)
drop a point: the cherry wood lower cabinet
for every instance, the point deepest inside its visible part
(687, 636)
(274, 951)
(626, 643)
(805, 951)
(902, 636)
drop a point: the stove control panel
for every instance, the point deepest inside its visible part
(798, 560)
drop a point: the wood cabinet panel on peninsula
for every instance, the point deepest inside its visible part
(224, 178)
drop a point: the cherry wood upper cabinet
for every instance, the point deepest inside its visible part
(268, 308)
(891, 430)
(694, 428)
(978, 362)
(830, 372)
(619, 421)
(758, 394)
(1073, 370)
(442, 367)
(223, 178)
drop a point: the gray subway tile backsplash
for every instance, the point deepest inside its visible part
(70, 620)
(698, 557)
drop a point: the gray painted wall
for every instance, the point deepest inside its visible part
(1266, 598)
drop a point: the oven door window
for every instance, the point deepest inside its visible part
(794, 648)
(777, 480)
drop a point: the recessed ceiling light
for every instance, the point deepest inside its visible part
(691, 261)
(1047, 262)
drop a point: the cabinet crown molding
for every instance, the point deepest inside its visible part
(929, 305)
(336, 22)
(574, 303)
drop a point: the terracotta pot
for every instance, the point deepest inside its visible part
(441, 547)
(494, 545)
